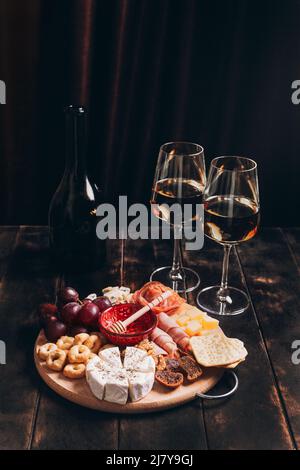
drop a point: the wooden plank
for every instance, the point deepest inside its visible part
(7, 241)
(61, 424)
(182, 427)
(292, 237)
(272, 272)
(22, 288)
(254, 417)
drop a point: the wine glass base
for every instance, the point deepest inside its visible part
(190, 283)
(236, 301)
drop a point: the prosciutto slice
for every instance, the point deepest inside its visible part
(169, 325)
(153, 289)
(162, 339)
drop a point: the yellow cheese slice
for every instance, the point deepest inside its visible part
(209, 323)
(193, 328)
(197, 315)
(182, 320)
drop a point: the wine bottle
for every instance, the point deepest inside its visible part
(72, 212)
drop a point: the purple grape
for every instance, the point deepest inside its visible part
(66, 295)
(89, 315)
(47, 310)
(54, 330)
(102, 303)
(69, 312)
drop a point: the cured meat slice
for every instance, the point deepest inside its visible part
(153, 289)
(165, 341)
(169, 325)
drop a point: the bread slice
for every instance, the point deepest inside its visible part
(169, 379)
(172, 365)
(190, 367)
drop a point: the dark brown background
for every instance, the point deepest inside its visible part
(150, 71)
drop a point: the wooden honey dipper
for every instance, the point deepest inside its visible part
(121, 326)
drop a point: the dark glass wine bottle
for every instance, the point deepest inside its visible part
(72, 212)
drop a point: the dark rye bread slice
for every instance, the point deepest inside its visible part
(190, 367)
(169, 379)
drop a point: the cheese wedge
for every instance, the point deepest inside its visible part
(209, 323)
(193, 328)
(140, 384)
(112, 357)
(96, 380)
(116, 388)
(145, 365)
(133, 356)
(99, 364)
(138, 360)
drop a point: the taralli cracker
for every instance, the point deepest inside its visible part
(81, 338)
(45, 350)
(56, 360)
(93, 343)
(65, 342)
(74, 371)
(79, 354)
(216, 349)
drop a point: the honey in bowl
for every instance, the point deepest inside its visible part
(137, 331)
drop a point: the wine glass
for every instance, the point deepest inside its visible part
(179, 178)
(231, 216)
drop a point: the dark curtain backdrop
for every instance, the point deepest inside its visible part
(215, 72)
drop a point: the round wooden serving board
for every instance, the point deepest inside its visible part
(158, 399)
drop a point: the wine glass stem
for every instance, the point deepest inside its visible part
(177, 272)
(222, 294)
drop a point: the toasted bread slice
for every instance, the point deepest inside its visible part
(190, 367)
(172, 365)
(169, 379)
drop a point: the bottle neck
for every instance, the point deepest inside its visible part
(75, 143)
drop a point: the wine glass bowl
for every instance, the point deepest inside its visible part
(231, 217)
(179, 180)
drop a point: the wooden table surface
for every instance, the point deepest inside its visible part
(263, 414)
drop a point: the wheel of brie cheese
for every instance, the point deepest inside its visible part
(111, 380)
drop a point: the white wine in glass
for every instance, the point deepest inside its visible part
(231, 217)
(179, 179)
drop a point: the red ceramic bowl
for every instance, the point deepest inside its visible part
(138, 330)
